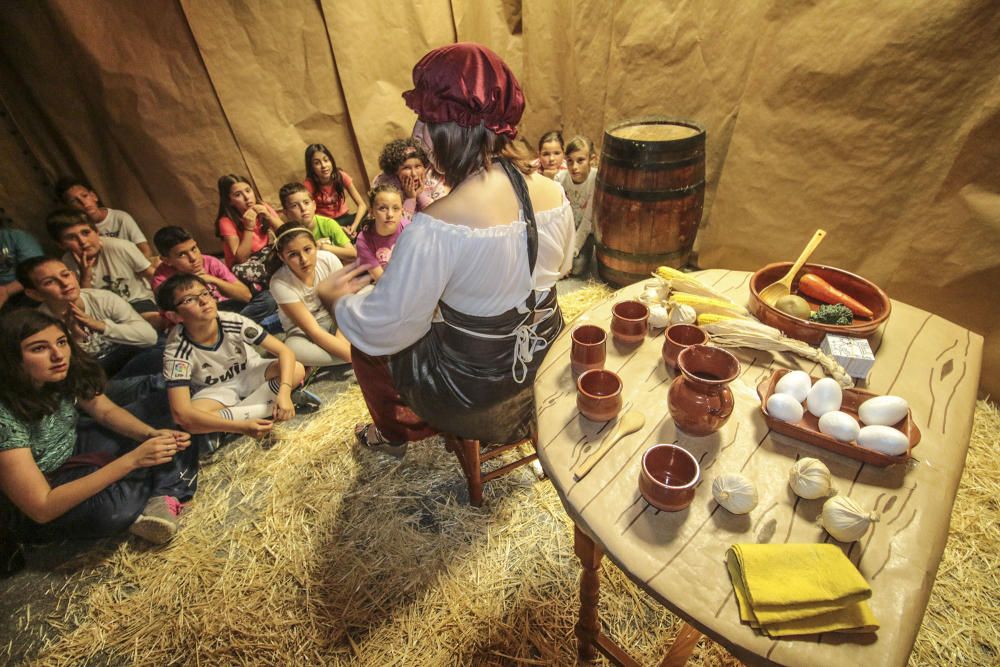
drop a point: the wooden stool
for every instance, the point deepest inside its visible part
(471, 457)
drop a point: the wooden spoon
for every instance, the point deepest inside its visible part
(783, 287)
(630, 422)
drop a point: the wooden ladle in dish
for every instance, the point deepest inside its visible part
(783, 287)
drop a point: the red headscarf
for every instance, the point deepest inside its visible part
(468, 84)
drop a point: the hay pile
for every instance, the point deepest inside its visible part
(313, 552)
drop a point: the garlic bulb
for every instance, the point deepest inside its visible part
(845, 520)
(809, 478)
(682, 313)
(651, 295)
(734, 492)
(658, 316)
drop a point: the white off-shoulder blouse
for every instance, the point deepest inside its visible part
(479, 272)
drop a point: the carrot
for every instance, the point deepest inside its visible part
(812, 285)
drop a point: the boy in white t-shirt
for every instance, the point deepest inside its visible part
(77, 194)
(216, 380)
(104, 263)
(578, 182)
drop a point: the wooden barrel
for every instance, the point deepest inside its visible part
(649, 196)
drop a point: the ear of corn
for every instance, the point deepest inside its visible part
(714, 318)
(704, 304)
(678, 281)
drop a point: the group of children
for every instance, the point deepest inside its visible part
(176, 335)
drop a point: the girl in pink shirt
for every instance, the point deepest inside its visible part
(328, 186)
(243, 223)
(379, 232)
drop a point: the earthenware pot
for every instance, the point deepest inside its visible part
(677, 337)
(699, 399)
(599, 394)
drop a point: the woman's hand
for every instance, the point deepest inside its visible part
(257, 428)
(182, 438)
(154, 451)
(348, 280)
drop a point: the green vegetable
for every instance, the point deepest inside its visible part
(835, 314)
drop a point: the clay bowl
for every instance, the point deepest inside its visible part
(868, 293)
(679, 336)
(589, 348)
(628, 322)
(668, 477)
(599, 394)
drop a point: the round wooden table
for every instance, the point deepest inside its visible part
(679, 557)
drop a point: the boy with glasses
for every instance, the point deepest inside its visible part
(216, 380)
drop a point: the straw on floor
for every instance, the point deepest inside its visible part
(314, 552)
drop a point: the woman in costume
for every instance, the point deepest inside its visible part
(452, 335)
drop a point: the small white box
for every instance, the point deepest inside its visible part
(854, 354)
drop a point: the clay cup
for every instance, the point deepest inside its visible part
(679, 336)
(628, 322)
(599, 394)
(589, 348)
(668, 477)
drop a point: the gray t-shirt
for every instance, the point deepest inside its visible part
(124, 326)
(120, 225)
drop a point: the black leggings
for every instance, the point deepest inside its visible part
(114, 509)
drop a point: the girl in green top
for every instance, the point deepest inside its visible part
(70, 480)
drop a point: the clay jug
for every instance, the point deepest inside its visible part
(699, 399)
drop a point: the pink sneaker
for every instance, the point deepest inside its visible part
(159, 519)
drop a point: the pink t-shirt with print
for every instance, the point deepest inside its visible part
(374, 248)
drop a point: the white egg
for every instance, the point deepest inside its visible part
(825, 396)
(794, 383)
(784, 407)
(883, 410)
(884, 439)
(839, 425)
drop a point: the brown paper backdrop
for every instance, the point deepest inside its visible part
(879, 122)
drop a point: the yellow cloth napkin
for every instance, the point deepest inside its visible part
(794, 589)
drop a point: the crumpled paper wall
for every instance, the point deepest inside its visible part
(878, 122)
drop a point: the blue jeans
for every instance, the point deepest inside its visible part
(115, 508)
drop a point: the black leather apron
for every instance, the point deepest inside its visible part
(472, 376)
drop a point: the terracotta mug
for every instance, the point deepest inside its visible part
(668, 477)
(679, 336)
(590, 348)
(599, 394)
(628, 321)
(699, 399)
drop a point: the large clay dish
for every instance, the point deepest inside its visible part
(807, 429)
(868, 293)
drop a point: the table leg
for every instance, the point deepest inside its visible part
(588, 627)
(682, 648)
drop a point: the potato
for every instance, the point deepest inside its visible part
(794, 305)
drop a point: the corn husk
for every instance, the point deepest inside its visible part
(755, 335)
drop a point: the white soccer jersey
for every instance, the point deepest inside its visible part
(188, 364)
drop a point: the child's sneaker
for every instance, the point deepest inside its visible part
(159, 519)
